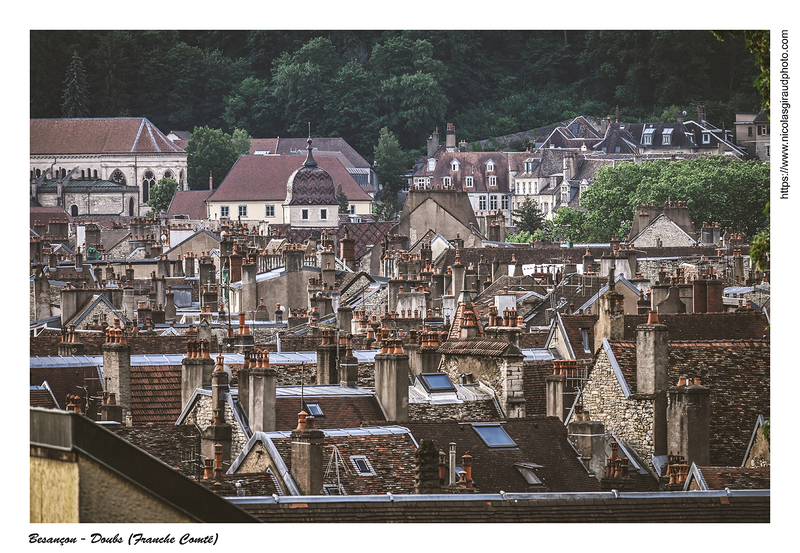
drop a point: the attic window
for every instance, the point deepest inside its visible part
(362, 465)
(436, 382)
(454, 165)
(666, 137)
(706, 138)
(490, 166)
(492, 180)
(493, 435)
(313, 409)
(333, 489)
(527, 470)
(469, 182)
(647, 137)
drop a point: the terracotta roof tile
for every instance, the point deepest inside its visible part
(120, 135)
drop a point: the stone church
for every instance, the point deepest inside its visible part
(100, 166)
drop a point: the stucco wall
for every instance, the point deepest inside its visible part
(53, 490)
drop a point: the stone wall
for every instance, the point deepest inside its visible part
(468, 411)
(201, 416)
(629, 419)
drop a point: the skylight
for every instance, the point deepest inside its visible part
(362, 465)
(436, 382)
(314, 410)
(528, 472)
(493, 435)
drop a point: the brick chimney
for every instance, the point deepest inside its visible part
(327, 358)
(261, 390)
(450, 138)
(307, 455)
(216, 439)
(391, 380)
(348, 366)
(689, 422)
(652, 361)
(117, 366)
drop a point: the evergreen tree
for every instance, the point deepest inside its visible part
(344, 201)
(75, 100)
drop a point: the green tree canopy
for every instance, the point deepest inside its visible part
(211, 153)
(528, 217)
(76, 90)
(715, 188)
(391, 164)
(161, 194)
(344, 201)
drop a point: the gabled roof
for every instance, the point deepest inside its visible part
(733, 478)
(120, 135)
(286, 146)
(265, 178)
(189, 202)
(42, 396)
(347, 409)
(736, 371)
(541, 446)
(97, 302)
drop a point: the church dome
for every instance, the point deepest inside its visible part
(310, 184)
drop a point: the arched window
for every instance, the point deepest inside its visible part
(130, 207)
(73, 210)
(118, 177)
(168, 175)
(147, 183)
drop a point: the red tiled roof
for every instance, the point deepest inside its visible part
(191, 203)
(121, 135)
(155, 394)
(264, 178)
(43, 215)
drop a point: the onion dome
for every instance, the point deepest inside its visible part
(310, 184)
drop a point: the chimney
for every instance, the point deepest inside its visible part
(293, 257)
(450, 139)
(426, 469)
(348, 367)
(347, 250)
(560, 388)
(261, 390)
(689, 422)
(117, 366)
(197, 368)
(433, 143)
(714, 291)
(652, 362)
(588, 437)
(452, 466)
(216, 439)
(611, 320)
(391, 380)
(307, 455)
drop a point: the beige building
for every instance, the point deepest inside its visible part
(100, 166)
(753, 134)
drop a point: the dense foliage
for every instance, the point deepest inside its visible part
(161, 194)
(212, 153)
(353, 83)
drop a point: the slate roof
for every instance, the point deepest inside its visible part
(68, 379)
(540, 440)
(120, 135)
(189, 202)
(285, 146)
(339, 411)
(42, 396)
(265, 177)
(736, 371)
(176, 445)
(97, 186)
(43, 215)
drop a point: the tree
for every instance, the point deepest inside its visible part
(344, 202)
(161, 194)
(391, 164)
(528, 217)
(76, 90)
(569, 224)
(211, 152)
(387, 210)
(241, 142)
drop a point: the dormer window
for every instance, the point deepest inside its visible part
(446, 181)
(492, 180)
(454, 165)
(490, 166)
(666, 137)
(469, 182)
(706, 138)
(431, 164)
(647, 137)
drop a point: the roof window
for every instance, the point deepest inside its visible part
(362, 465)
(436, 382)
(313, 409)
(493, 435)
(528, 472)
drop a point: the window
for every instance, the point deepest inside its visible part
(118, 177)
(749, 131)
(362, 465)
(666, 137)
(168, 175)
(333, 489)
(706, 138)
(147, 183)
(469, 182)
(493, 202)
(304, 215)
(269, 211)
(436, 382)
(574, 128)
(647, 137)
(763, 130)
(313, 409)
(528, 472)
(352, 209)
(323, 214)
(490, 166)
(493, 435)
(242, 211)
(224, 211)
(504, 204)
(454, 165)
(585, 340)
(492, 180)
(481, 203)
(446, 181)
(431, 164)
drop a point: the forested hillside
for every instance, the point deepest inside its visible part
(353, 83)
